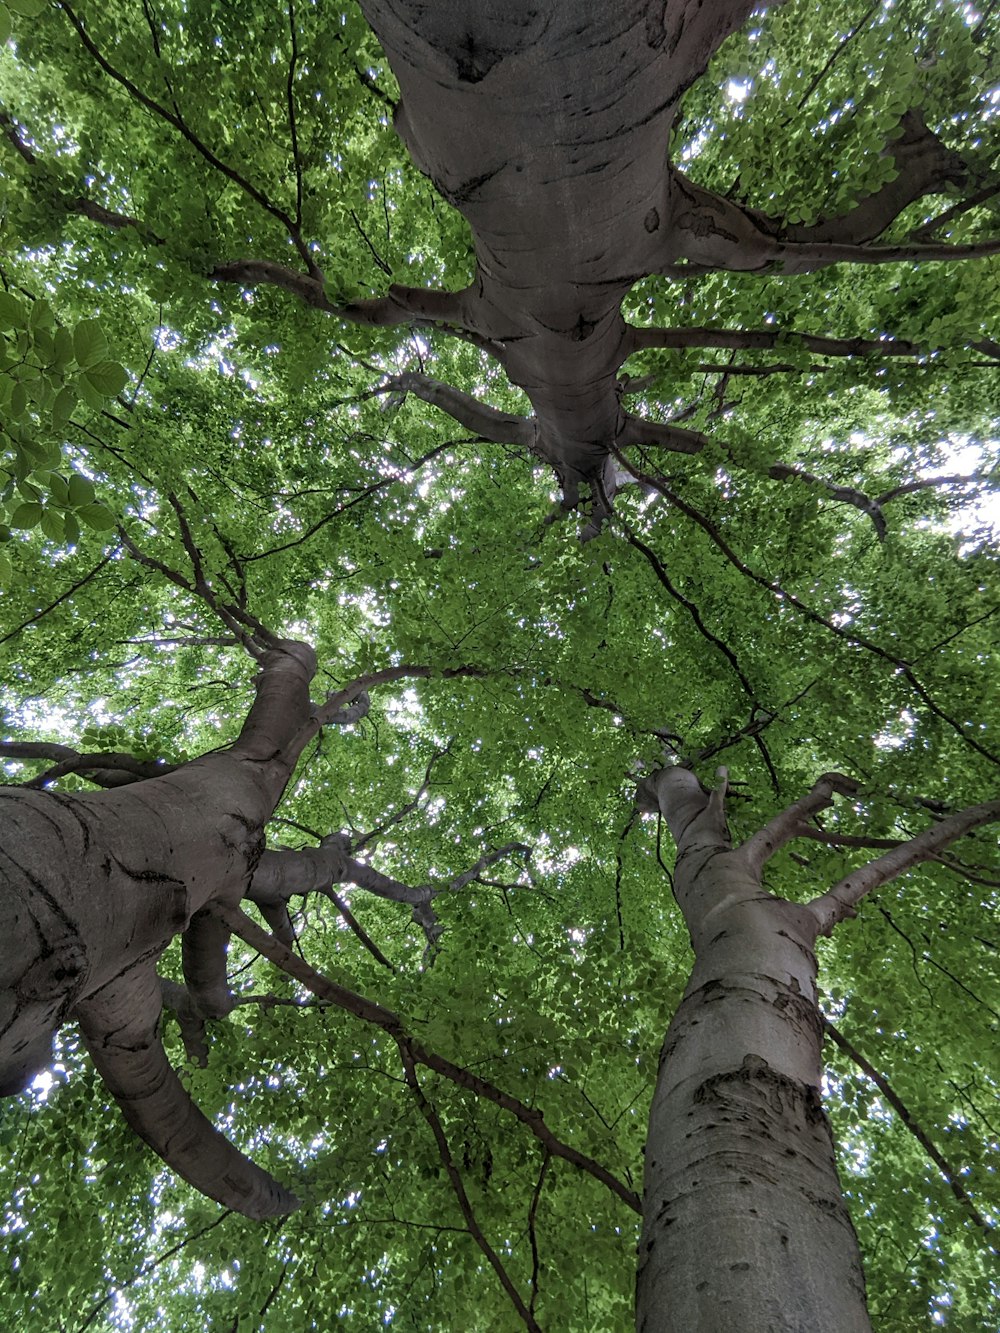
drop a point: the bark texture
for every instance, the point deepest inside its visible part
(745, 1226)
(547, 127)
(744, 1222)
(97, 885)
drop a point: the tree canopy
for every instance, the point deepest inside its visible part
(263, 377)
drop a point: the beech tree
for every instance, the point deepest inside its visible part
(327, 350)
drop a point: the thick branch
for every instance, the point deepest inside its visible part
(204, 948)
(110, 769)
(274, 724)
(763, 844)
(498, 427)
(120, 1026)
(661, 435)
(832, 907)
(768, 340)
(715, 233)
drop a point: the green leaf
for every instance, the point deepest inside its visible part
(12, 313)
(81, 491)
(52, 525)
(58, 485)
(62, 348)
(90, 344)
(97, 516)
(90, 395)
(26, 515)
(62, 408)
(28, 9)
(108, 378)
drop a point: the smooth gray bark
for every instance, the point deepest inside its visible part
(547, 127)
(96, 886)
(744, 1223)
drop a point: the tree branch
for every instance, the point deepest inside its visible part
(110, 769)
(898, 1105)
(762, 845)
(903, 666)
(120, 1026)
(370, 1012)
(692, 609)
(716, 233)
(844, 494)
(498, 427)
(830, 908)
(768, 340)
(458, 1185)
(174, 119)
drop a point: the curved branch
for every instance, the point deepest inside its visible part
(715, 233)
(762, 845)
(370, 1012)
(120, 1027)
(497, 427)
(844, 494)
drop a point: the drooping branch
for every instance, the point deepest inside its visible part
(106, 769)
(951, 1175)
(692, 609)
(175, 119)
(390, 1022)
(841, 901)
(458, 1185)
(120, 1026)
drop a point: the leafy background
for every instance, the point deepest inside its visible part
(379, 531)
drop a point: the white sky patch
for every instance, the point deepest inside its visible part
(738, 90)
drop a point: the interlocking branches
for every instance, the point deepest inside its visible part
(370, 1012)
(105, 769)
(899, 665)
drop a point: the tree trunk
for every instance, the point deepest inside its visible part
(745, 1228)
(96, 887)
